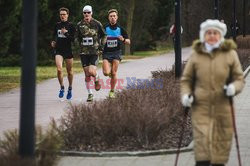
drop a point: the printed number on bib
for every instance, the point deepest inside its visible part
(87, 41)
(112, 43)
(60, 34)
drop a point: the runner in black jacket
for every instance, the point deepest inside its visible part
(63, 36)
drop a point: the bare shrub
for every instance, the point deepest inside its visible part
(243, 50)
(47, 145)
(141, 117)
(243, 42)
(244, 57)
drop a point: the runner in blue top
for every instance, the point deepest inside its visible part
(112, 54)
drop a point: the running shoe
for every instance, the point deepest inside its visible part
(97, 86)
(111, 94)
(90, 98)
(61, 93)
(69, 95)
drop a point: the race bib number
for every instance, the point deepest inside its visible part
(60, 34)
(112, 43)
(87, 41)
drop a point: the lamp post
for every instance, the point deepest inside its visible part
(216, 9)
(29, 53)
(244, 19)
(178, 38)
(234, 20)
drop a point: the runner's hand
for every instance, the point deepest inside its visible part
(64, 30)
(121, 38)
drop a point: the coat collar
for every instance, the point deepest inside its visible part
(225, 46)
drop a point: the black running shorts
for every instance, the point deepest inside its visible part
(110, 56)
(88, 60)
(65, 54)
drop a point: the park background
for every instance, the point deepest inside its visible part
(146, 21)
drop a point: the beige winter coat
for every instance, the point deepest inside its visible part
(211, 112)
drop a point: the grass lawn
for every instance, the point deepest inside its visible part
(143, 54)
(10, 76)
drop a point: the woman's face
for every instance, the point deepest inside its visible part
(212, 36)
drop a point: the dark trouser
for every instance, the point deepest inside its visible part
(202, 163)
(206, 163)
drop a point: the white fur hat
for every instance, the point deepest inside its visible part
(87, 8)
(212, 24)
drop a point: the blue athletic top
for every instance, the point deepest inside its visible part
(113, 32)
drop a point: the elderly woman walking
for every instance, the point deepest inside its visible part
(212, 74)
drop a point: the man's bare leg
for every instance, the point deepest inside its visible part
(59, 68)
(115, 64)
(92, 70)
(69, 68)
(87, 83)
(114, 68)
(106, 68)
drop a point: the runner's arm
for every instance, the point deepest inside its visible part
(102, 36)
(54, 37)
(78, 34)
(124, 34)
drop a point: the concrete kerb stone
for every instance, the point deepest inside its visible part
(246, 71)
(133, 153)
(126, 153)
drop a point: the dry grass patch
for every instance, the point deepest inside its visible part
(143, 118)
(47, 145)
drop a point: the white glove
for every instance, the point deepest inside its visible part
(187, 100)
(229, 90)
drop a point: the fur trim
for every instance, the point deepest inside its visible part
(225, 46)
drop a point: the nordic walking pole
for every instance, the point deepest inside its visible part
(182, 132)
(235, 129)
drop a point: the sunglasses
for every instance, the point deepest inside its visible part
(86, 12)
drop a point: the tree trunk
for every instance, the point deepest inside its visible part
(131, 7)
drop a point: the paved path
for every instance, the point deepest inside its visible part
(48, 105)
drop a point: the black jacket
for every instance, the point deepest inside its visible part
(63, 41)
